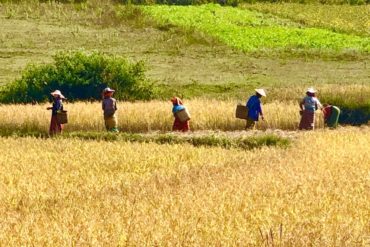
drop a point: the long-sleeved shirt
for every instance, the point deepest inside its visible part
(254, 107)
(57, 106)
(109, 106)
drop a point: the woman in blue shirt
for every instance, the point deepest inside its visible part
(308, 106)
(254, 109)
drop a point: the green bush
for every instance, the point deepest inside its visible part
(80, 76)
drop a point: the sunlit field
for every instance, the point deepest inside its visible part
(150, 116)
(62, 192)
(217, 185)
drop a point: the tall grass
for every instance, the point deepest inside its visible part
(60, 192)
(149, 116)
(280, 110)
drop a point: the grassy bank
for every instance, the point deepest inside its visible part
(242, 140)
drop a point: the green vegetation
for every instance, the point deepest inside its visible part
(193, 2)
(355, 110)
(338, 18)
(212, 140)
(204, 188)
(249, 142)
(185, 61)
(174, 56)
(251, 31)
(80, 76)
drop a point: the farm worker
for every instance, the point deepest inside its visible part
(178, 125)
(331, 115)
(55, 127)
(109, 106)
(254, 109)
(309, 105)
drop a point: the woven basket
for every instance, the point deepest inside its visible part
(62, 117)
(183, 115)
(241, 112)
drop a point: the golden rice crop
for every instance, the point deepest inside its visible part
(67, 192)
(150, 116)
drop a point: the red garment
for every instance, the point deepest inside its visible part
(327, 112)
(180, 126)
(55, 127)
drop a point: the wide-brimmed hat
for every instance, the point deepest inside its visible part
(108, 90)
(58, 93)
(261, 92)
(311, 90)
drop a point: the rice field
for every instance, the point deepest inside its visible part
(149, 116)
(59, 192)
(218, 185)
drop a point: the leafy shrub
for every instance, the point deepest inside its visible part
(80, 76)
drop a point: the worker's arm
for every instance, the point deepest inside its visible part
(260, 111)
(318, 105)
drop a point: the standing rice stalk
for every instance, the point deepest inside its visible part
(149, 116)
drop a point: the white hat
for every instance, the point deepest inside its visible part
(108, 90)
(311, 90)
(260, 91)
(57, 92)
